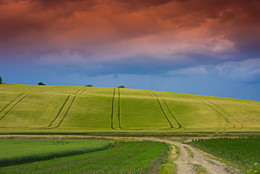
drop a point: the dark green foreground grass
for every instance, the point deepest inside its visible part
(244, 153)
(129, 157)
(17, 151)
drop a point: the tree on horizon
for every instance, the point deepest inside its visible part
(1, 80)
(40, 83)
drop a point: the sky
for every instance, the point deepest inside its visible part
(188, 46)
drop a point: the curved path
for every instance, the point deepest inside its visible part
(185, 162)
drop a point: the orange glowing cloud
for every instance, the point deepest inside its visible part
(118, 29)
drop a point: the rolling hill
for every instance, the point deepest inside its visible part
(90, 110)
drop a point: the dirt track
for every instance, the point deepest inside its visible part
(185, 162)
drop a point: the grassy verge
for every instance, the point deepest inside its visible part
(127, 157)
(18, 151)
(243, 153)
(168, 166)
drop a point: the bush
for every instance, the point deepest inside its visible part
(89, 85)
(121, 87)
(40, 83)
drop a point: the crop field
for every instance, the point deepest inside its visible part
(124, 157)
(66, 109)
(243, 153)
(18, 151)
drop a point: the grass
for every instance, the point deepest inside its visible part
(18, 151)
(125, 157)
(199, 169)
(99, 110)
(243, 153)
(168, 166)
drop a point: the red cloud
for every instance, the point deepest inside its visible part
(121, 28)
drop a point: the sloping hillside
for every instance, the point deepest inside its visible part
(65, 109)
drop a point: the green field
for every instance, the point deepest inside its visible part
(127, 157)
(243, 153)
(17, 151)
(66, 109)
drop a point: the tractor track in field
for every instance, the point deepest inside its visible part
(118, 115)
(119, 110)
(80, 91)
(59, 111)
(16, 103)
(10, 102)
(238, 122)
(167, 106)
(73, 99)
(160, 105)
(112, 109)
(53, 111)
(62, 108)
(220, 114)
